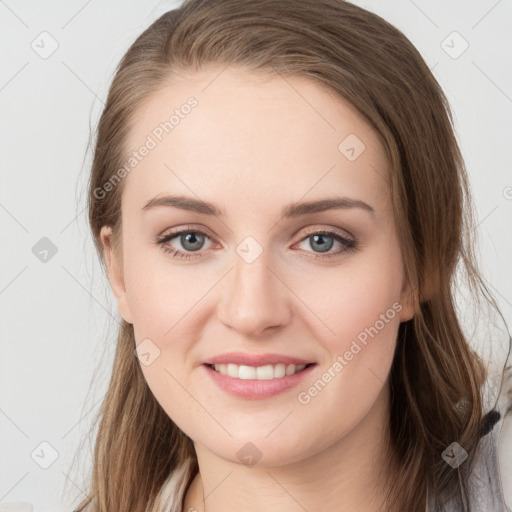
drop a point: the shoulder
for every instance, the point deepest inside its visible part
(490, 479)
(491, 476)
(504, 437)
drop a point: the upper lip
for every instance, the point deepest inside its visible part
(241, 358)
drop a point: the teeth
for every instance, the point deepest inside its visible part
(267, 372)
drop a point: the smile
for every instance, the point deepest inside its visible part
(257, 382)
(267, 372)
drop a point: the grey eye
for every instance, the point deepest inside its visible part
(319, 242)
(192, 241)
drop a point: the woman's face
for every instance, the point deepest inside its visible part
(258, 280)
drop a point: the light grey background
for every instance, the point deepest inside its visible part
(58, 319)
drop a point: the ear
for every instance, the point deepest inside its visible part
(407, 303)
(115, 273)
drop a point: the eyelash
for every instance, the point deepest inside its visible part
(349, 245)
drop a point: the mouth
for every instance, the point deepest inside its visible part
(266, 372)
(258, 382)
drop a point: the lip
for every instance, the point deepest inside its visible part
(254, 389)
(241, 358)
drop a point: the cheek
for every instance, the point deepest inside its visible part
(160, 292)
(165, 300)
(359, 311)
(354, 299)
(360, 317)
(370, 310)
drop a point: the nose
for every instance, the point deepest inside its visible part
(254, 298)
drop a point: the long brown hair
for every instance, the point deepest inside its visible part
(436, 377)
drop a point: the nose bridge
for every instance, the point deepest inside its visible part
(254, 298)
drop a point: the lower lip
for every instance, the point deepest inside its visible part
(256, 389)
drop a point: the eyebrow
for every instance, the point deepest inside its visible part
(290, 211)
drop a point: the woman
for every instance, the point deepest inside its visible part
(281, 206)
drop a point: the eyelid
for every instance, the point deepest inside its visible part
(330, 230)
(187, 227)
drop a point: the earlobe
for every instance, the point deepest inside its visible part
(115, 274)
(407, 303)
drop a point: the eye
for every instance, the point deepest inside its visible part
(192, 241)
(324, 240)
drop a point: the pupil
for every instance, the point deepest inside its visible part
(323, 245)
(192, 238)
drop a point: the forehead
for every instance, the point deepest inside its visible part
(221, 131)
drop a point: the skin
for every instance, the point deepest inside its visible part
(252, 145)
